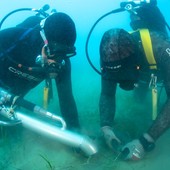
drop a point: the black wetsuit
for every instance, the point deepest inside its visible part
(19, 47)
(162, 56)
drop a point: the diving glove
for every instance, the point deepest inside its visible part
(135, 150)
(111, 139)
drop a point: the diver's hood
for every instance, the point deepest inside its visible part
(118, 56)
(117, 48)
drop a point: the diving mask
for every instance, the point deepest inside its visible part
(130, 4)
(64, 51)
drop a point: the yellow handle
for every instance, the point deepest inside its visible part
(45, 101)
(154, 103)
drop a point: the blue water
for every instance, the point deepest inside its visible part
(21, 149)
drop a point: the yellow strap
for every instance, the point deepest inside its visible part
(45, 101)
(147, 45)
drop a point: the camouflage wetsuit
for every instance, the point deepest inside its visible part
(162, 57)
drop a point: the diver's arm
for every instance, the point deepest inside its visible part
(107, 103)
(66, 99)
(162, 123)
(137, 148)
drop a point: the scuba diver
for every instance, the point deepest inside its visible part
(126, 59)
(39, 49)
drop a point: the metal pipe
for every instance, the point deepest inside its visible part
(50, 115)
(10, 123)
(6, 97)
(64, 136)
(49, 130)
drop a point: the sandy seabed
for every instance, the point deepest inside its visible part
(22, 149)
(29, 151)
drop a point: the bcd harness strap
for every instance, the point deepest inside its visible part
(147, 46)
